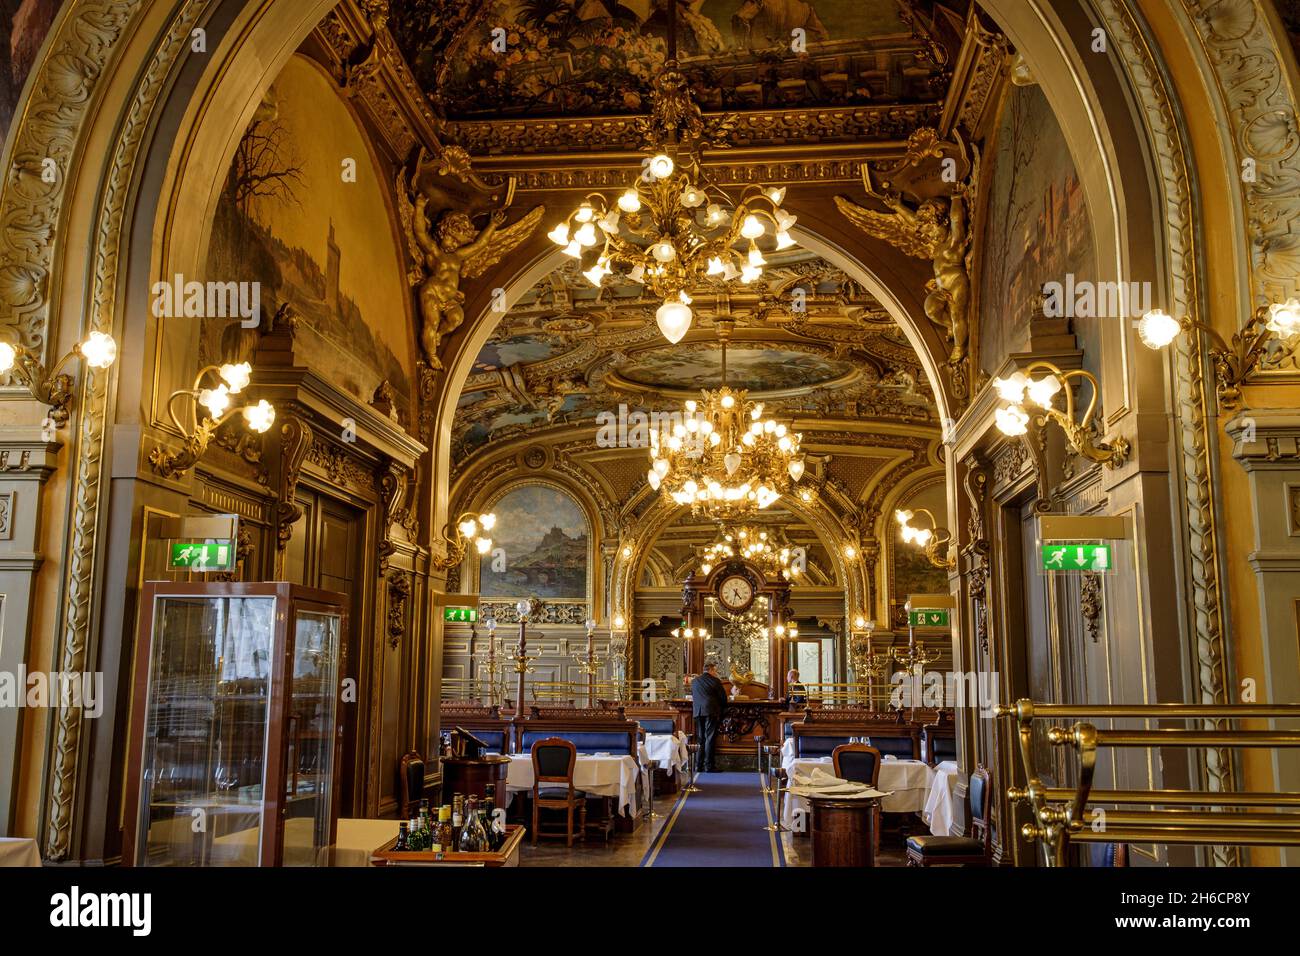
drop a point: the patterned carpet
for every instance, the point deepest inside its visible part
(722, 825)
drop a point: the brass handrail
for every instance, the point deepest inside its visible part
(1061, 814)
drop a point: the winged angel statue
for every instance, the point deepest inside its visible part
(938, 230)
(446, 246)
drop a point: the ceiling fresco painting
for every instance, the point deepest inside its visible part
(600, 57)
(567, 352)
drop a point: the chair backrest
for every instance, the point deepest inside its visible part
(859, 763)
(411, 778)
(553, 761)
(657, 725)
(904, 748)
(810, 745)
(977, 792)
(939, 741)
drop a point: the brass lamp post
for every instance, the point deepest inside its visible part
(523, 663)
(588, 663)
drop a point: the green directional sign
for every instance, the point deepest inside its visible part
(928, 617)
(202, 556)
(463, 615)
(1076, 557)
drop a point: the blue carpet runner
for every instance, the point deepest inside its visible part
(722, 825)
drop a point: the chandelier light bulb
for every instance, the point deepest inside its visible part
(236, 377)
(637, 274)
(715, 266)
(921, 536)
(1012, 420)
(560, 234)
(1157, 329)
(661, 166)
(850, 552)
(215, 400)
(609, 221)
(752, 227)
(795, 468)
(776, 194)
(783, 240)
(586, 235)
(1011, 389)
(99, 350)
(728, 401)
(756, 257)
(784, 221)
(714, 214)
(749, 273)
(629, 202)
(488, 521)
(468, 527)
(574, 249)
(674, 320)
(484, 545)
(1041, 391)
(1284, 318)
(260, 417)
(596, 274)
(663, 251)
(729, 271)
(692, 197)
(661, 467)
(757, 411)
(585, 213)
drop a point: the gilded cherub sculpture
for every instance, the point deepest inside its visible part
(452, 250)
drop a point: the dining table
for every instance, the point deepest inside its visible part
(599, 774)
(669, 749)
(906, 784)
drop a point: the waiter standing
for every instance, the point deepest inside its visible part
(708, 699)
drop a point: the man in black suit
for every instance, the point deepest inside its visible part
(709, 698)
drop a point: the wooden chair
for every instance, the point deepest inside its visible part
(939, 741)
(929, 850)
(553, 762)
(860, 764)
(411, 782)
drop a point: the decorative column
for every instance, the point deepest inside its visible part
(27, 459)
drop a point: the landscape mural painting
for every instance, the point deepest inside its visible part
(24, 25)
(539, 546)
(290, 219)
(1036, 229)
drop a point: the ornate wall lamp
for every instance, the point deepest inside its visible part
(216, 409)
(467, 528)
(53, 387)
(1272, 328)
(588, 662)
(932, 540)
(1021, 387)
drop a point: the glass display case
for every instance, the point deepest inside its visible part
(236, 731)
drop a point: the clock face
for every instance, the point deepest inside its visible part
(736, 593)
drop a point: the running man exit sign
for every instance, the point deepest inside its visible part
(928, 617)
(462, 615)
(1075, 557)
(201, 556)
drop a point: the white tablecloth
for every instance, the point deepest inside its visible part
(909, 781)
(19, 851)
(612, 776)
(669, 749)
(939, 803)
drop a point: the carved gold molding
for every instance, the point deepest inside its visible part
(48, 129)
(102, 23)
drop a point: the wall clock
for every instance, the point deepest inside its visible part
(736, 594)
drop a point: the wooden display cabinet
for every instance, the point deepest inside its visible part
(236, 736)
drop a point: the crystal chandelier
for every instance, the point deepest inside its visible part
(766, 549)
(673, 229)
(723, 458)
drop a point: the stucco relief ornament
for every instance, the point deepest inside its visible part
(445, 244)
(935, 227)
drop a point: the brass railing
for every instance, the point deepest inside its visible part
(1063, 814)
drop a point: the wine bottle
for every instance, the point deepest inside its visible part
(472, 837)
(403, 837)
(426, 838)
(495, 837)
(457, 820)
(413, 831)
(444, 829)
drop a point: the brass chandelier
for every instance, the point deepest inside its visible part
(673, 229)
(723, 458)
(767, 549)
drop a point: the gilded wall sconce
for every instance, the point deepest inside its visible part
(1021, 388)
(1271, 327)
(52, 387)
(211, 407)
(467, 528)
(932, 540)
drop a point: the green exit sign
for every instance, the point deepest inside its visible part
(928, 617)
(465, 615)
(202, 556)
(1076, 557)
